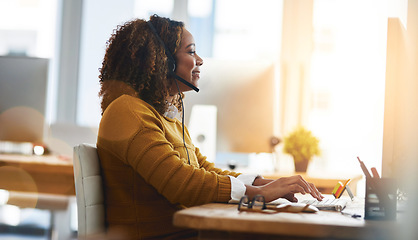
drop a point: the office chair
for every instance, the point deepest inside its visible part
(89, 192)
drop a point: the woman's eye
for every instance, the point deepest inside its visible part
(192, 52)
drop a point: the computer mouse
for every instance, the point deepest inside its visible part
(298, 207)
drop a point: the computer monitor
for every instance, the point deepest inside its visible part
(400, 133)
(243, 92)
(23, 91)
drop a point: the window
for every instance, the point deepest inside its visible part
(347, 82)
(252, 32)
(27, 28)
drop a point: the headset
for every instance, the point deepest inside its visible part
(171, 69)
(170, 60)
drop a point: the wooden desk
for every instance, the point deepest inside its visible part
(38, 174)
(223, 221)
(43, 182)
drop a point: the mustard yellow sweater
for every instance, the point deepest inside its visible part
(147, 177)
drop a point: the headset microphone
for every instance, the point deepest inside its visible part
(170, 61)
(186, 82)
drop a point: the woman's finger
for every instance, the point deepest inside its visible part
(299, 180)
(296, 188)
(317, 193)
(291, 197)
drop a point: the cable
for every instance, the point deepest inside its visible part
(182, 121)
(171, 68)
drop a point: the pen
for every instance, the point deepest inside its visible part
(373, 184)
(375, 173)
(364, 168)
(366, 172)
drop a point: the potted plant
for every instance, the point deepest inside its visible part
(302, 145)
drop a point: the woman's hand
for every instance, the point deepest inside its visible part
(284, 187)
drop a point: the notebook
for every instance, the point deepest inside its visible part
(328, 203)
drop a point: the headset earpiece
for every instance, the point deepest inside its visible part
(170, 60)
(171, 65)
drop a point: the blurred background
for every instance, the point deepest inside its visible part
(325, 63)
(342, 69)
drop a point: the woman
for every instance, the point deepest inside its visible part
(151, 168)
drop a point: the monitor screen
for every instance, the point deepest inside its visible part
(23, 91)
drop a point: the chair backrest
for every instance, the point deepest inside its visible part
(89, 191)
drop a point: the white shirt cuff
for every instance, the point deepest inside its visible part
(248, 179)
(237, 189)
(238, 185)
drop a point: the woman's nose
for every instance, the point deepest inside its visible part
(199, 60)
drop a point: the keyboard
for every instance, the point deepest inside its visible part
(336, 204)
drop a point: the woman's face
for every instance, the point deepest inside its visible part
(187, 62)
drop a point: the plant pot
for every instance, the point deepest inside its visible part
(301, 165)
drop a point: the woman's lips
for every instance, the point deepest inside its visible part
(196, 74)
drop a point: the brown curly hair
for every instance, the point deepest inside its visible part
(135, 62)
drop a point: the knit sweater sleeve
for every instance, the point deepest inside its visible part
(210, 166)
(134, 132)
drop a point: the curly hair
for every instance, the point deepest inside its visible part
(135, 62)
